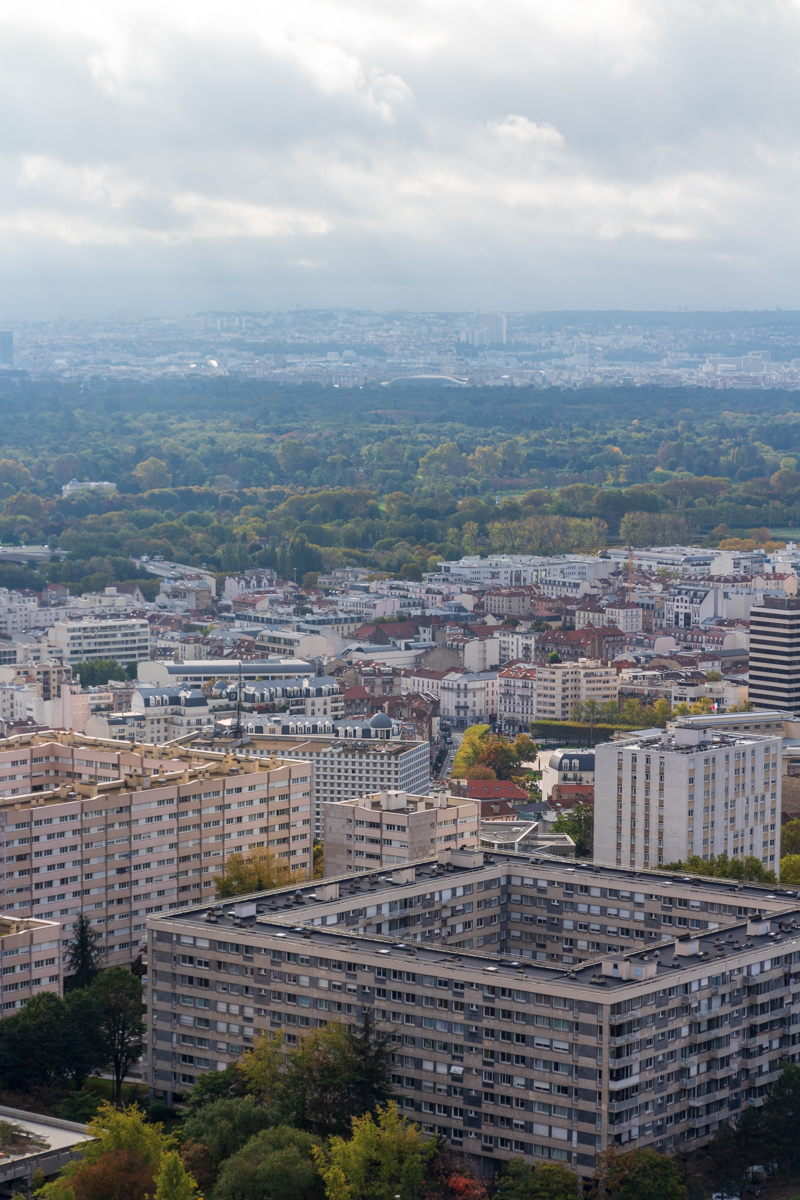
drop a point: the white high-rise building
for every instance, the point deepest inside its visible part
(669, 794)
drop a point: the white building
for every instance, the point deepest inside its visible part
(627, 617)
(386, 828)
(197, 672)
(422, 679)
(566, 766)
(345, 767)
(510, 570)
(89, 485)
(684, 560)
(468, 698)
(666, 795)
(517, 644)
(127, 641)
(516, 697)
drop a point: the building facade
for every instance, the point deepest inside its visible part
(468, 697)
(392, 827)
(664, 796)
(527, 1012)
(127, 641)
(116, 834)
(775, 654)
(516, 697)
(343, 768)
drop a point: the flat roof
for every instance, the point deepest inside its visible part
(288, 913)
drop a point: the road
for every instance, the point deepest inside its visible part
(447, 765)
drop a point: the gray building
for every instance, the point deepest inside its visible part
(535, 1008)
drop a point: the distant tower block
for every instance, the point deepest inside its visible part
(497, 329)
(7, 347)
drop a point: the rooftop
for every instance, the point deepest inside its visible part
(296, 915)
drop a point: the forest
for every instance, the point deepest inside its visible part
(306, 478)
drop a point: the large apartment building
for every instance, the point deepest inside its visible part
(347, 767)
(560, 685)
(387, 828)
(126, 640)
(665, 795)
(622, 1008)
(32, 960)
(117, 834)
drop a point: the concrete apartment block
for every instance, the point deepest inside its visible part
(536, 1008)
(30, 950)
(392, 827)
(119, 834)
(664, 795)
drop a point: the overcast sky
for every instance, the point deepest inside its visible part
(425, 154)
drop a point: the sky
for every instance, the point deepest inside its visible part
(425, 154)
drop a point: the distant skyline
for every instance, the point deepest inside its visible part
(531, 155)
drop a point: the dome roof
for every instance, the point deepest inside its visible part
(380, 721)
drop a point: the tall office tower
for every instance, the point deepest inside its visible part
(775, 654)
(7, 347)
(497, 329)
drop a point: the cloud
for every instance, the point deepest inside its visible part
(526, 153)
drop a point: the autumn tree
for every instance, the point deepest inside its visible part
(257, 871)
(152, 473)
(479, 771)
(469, 750)
(173, 1182)
(120, 1160)
(384, 1157)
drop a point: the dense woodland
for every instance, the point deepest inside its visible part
(305, 478)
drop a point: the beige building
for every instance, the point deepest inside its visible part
(560, 685)
(119, 833)
(371, 832)
(31, 955)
